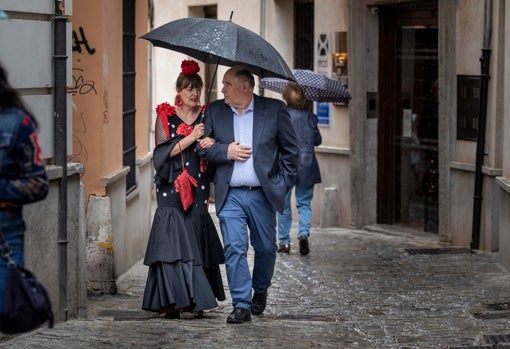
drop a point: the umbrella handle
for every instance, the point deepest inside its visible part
(202, 114)
(212, 83)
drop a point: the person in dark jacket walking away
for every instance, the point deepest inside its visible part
(309, 136)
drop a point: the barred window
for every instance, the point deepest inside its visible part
(128, 94)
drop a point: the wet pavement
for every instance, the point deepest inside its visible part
(356, 289)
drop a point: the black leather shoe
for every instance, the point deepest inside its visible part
(284, 248)
(239, 315)
(304, 247)
(258, 303)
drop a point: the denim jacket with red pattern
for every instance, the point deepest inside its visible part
(23, 177)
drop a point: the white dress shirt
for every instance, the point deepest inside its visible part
(244, 172)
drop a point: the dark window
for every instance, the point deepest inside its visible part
(128, 93)
(303, 34)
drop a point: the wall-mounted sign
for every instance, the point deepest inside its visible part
(323, 113)
(322, 53)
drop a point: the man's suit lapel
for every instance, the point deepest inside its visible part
(259, 120)
(227, 122)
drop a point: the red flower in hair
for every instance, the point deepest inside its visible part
(189, 67)
(165, 109)
(184, 129)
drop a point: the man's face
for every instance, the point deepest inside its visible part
(232, 89)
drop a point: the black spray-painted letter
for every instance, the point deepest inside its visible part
(83, 41)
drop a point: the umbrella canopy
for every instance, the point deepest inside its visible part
(316, 87)
(221, 42)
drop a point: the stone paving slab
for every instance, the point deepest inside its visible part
(356, 289)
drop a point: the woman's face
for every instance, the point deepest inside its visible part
(191, 96)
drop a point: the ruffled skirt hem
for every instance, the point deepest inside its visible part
(183, 254)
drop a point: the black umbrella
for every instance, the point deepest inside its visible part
(316, 87)
(221, 42)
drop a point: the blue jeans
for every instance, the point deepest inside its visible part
(16, 246)
(245, 209)
(304, 196)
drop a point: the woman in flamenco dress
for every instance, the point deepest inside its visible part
(184, 250)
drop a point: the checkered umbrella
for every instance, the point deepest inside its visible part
(316, 87)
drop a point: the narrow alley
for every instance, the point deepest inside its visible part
(356, 289)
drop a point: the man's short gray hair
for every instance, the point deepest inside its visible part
(244, 74)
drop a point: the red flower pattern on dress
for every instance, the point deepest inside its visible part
(165, 109)
(184, 129)
(189, 67)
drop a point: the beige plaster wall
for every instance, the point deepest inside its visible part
(97, 79)
(469, 36)
(279, 28)
(142, 96)
(110, 86)
(330, 17)
(88, 74)
(495, 107)
(506, 97)
(504, 240)
(462, 205)
(504, 180)
(335, 173)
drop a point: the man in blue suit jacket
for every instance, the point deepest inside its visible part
(254, 148)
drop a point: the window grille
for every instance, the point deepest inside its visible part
(128, 94)
(468, 101)
(303, 34)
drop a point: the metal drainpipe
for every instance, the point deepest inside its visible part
(60, 114)
(482, 116)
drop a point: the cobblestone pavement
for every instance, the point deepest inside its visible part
(356, 289)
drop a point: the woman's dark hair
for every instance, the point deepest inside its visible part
(9, 97)
(294, 96)
(185, 81)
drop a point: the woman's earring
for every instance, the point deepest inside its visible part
(178, 100)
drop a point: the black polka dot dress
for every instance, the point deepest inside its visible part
(184, 250)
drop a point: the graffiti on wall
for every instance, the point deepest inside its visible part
(81, 86)
(81, 40)
(80, 153)
(106, 111)
(85, 90)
